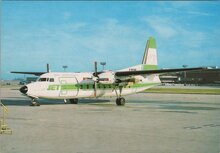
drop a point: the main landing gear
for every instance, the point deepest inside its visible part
(34, 103)
(73, 101)
(120, 101)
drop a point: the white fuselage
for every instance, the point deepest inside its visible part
(62, 85)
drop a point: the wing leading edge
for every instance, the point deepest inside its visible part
(128, 73)
(33, 73)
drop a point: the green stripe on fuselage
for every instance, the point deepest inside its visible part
(99, 86)
(143, 85)
(53, 87)
(63, 87)
(69, 87)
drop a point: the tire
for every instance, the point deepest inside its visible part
(34, 104)
(117, 101)
(73, 101)
(120, 101)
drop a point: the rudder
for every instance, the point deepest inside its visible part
(149, 61)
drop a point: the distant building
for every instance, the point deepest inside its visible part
(209, 76)
(169, 78)
(31, 79)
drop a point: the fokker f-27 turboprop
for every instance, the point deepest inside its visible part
(71, 86)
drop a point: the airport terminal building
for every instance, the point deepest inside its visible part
(201, 77)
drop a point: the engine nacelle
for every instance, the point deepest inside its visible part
(129, 79)
(106, 77)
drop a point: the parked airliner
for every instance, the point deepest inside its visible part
(72, 86)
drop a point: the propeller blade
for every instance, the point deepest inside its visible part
(95, 89)
(95, 74)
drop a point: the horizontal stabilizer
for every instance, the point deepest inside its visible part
(32, 73)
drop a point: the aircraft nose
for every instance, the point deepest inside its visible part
(24, 89)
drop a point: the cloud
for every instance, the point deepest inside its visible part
(75, 43)
(182, 43)
(182, 31)
(198, 13)
(163, 26)
(170, 28)
(66, 15)
(189, 8)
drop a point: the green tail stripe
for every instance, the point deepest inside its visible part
(150, 67)
(152, 43)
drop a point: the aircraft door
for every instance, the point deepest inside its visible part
(68, 87)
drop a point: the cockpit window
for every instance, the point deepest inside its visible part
(42, 79)
(46, 80)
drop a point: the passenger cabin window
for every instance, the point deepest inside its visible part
(51, 79)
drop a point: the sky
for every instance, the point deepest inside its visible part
(76, 34)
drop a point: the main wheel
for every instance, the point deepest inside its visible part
(120, 101)
(73, 101)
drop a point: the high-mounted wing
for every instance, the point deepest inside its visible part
(129, 73)
(33, 73)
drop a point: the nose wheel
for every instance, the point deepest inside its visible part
(34, 103)
(73, 101)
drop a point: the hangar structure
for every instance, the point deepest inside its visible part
(199, 77)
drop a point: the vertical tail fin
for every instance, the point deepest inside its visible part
(149, 61)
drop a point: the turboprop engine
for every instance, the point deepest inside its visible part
(106, 77)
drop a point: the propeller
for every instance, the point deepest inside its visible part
(95, 79)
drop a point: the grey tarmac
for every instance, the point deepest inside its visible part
(148, 123)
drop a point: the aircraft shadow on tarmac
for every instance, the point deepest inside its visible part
(15, 102)
(26, 102)
(167, 106)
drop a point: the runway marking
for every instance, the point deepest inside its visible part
(192, 127)
(17, 118)
(203, 126)
(181, 112)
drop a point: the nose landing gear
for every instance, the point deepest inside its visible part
(73, 101)
(34, 103)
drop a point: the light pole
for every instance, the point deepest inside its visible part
(185, 66)
(103, 65)
(65, 67)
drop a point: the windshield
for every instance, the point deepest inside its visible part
(42, 79)
(46, 79)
